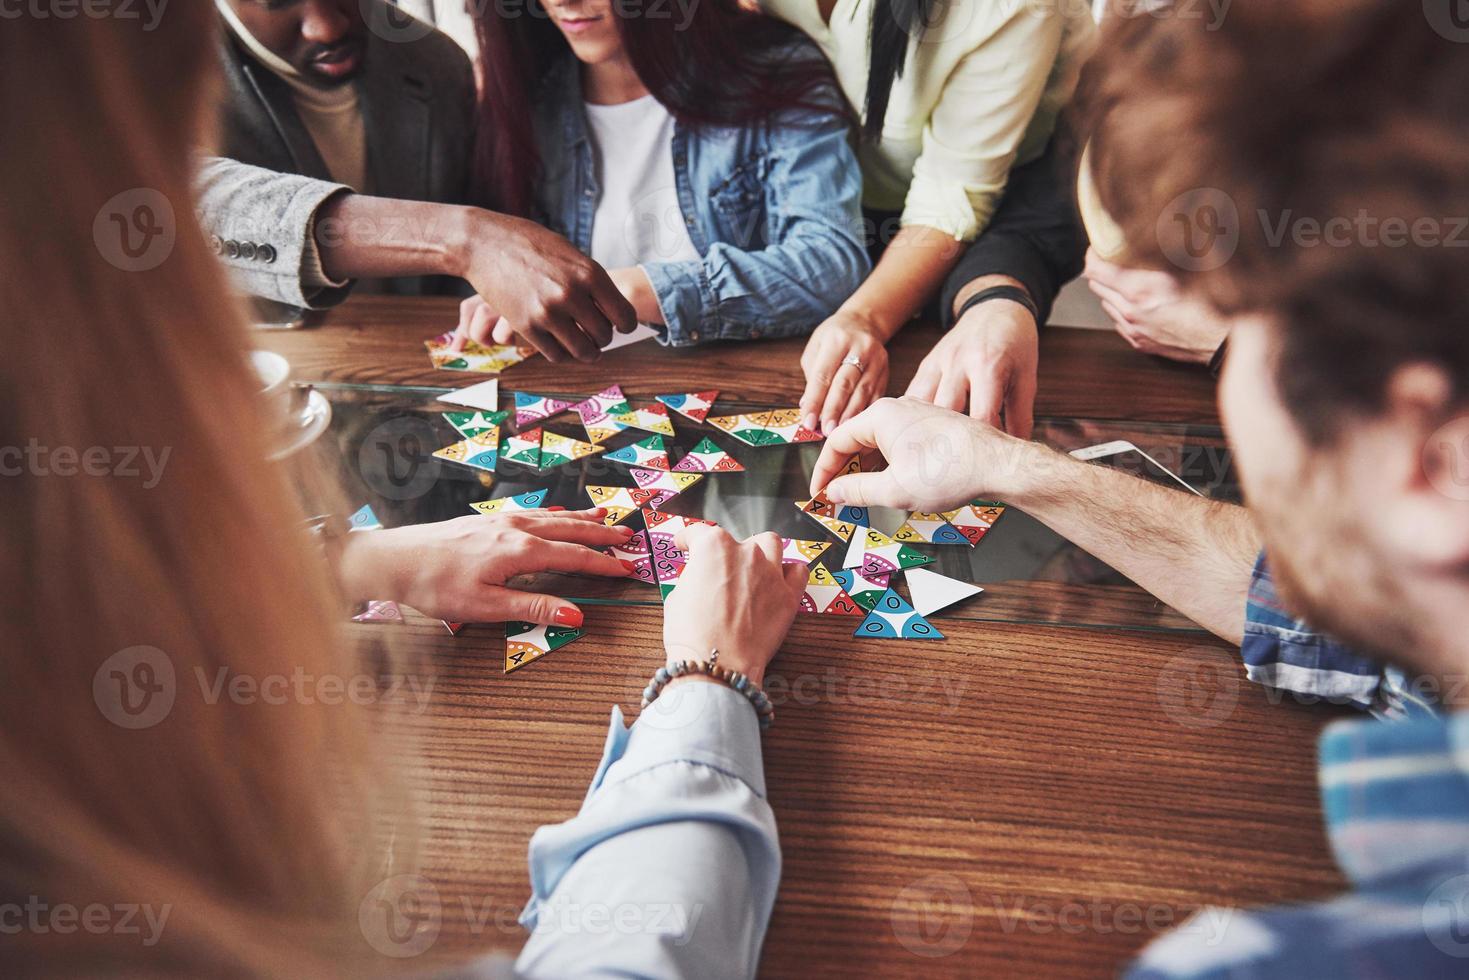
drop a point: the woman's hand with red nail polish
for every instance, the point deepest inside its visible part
(459, 569)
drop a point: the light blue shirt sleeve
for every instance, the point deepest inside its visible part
(671, 867)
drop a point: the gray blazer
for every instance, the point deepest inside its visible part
(258, 199)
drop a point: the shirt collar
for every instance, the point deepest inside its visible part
(1396, 794)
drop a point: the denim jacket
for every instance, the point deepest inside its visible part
(774, 209)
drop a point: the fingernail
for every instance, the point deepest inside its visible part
(627, 531)
(833, 493)
(556, 507)
(828, 426)
(811, 422)
(568, 616)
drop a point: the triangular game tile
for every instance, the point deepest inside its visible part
(558, 450)
(523, 448)
(596, 411)
(654, 418)
(825, 596)
(665, 480)
(469, 424)
(796, 552)
(749, 429)
(531, 500)
(929, 529)
(528, 642)
(893, 619)
(862, 590)
(932, 591)
(475, 357)
(881, 553)
(649, 454)
(484, 396)
(480, 452)
(533, 408)
(636, 556)
(975, 520)
(707, 457)
(364, 520)
(693, 404)
(786, 424)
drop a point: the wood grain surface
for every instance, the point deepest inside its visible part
(1017, 801)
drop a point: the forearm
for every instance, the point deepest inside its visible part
(1195, 555)
(909, 272)
(362, 237)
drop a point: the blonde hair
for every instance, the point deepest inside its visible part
(259, 825)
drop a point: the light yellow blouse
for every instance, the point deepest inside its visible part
(979, 94)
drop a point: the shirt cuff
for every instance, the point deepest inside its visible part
(313, 276)
(687, 301)
(949, 207)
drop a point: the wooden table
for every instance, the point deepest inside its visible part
(1016, 801)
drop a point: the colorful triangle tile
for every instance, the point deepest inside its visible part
(484, 396)
(749, 429)
(893, 619)
(649, 454)
(929, 529)
(932, 591)
(469, 424)
(523, 447)
(596, 411)
(694, 404)
(797, 552)
(974, 520)
(665, 480)
(668, 560)
(364, 520)
(528, 642)
(531, 500)
(825, 596)
(707, 457)
(533, 408)
(558, 450)
(785, 424)
(379, 611)
(651, 419)
(861, 589)
(881, 553)
(622, 501)
(478, 358)
(636, 556)
(480, 452)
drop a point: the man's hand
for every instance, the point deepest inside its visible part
(550, 295)
(735, 597)
(987, 363)
(837, 389)
(1153, 314)
(937, 459)
(458, 569)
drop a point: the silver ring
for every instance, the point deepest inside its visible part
(853, 360)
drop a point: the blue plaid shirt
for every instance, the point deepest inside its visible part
(1396, 800)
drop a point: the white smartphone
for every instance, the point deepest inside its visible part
(1124, 456)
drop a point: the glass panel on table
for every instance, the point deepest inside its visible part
(381, 445)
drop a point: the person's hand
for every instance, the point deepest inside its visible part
(458, 569)
(1153, 314)
(550, 295)
(837, 389)
(937, 459)
(735, 597)
(987, 364)
(479, 323)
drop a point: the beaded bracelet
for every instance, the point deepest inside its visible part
(733, 678)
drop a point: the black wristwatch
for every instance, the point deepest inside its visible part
(1013, 293)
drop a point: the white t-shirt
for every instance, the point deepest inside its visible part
(638, 220)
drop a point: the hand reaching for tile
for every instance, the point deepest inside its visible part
(735, 597)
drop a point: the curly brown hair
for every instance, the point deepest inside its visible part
(1307, 160)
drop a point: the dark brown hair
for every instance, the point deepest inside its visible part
(1333, 135)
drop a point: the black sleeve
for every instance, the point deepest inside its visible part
(1036, 236)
